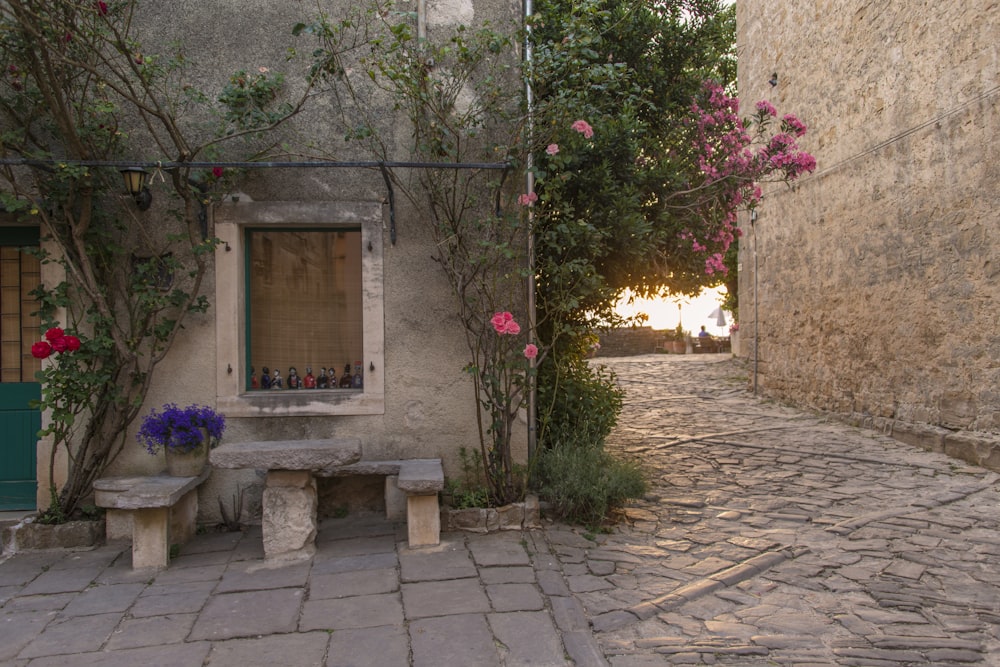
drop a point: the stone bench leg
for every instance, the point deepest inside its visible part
(184, 518)
(423, 521)
(288, 519)
(151, 538)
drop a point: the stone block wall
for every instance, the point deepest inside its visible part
(876, 284)
(629, 342)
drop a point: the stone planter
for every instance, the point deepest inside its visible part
(516, 516)
(188, 463)
(678, 347)
(27, 535)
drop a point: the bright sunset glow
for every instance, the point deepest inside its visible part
(694, 312)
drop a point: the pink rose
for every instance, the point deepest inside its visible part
(54, 333)
(41, 350)
(512, 328)
(552, 149)
(583, 127)
(530, 351)
(527, 199)
(499, 321)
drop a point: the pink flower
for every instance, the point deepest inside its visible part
(263, 70)
(552, 149)
(217, 172)
(527, 199)
(767, 108)
(792, 124)
(583, 127)
(530, 351)
(503, 323)
(41, 350)
(500, 320)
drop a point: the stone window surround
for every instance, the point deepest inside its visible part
(231, 218)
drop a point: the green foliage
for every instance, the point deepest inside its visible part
(608, 217)
(470, 490)
(586, 483)
(579, 404)
(579, 407)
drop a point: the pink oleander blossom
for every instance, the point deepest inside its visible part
(766, 107)
(714, 264)
(793, 125)
(583, 127)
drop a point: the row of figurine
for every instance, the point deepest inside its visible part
(273, 380)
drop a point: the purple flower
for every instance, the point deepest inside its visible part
(178, 428)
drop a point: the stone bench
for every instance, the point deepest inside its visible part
(416, 480)
(158, 510)
(289, 503)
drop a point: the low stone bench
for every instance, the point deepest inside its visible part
(159, 510)
(419, 481)
(289, 503)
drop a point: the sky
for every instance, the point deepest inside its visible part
(694, 312)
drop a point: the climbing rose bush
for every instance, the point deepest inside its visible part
(56, 340)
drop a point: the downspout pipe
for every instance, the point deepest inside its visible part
(529, 186)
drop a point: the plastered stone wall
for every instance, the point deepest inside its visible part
(876, 286)
(429, 408)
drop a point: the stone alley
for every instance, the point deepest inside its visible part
(773, 536)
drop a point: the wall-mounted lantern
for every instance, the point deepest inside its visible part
(135, 185)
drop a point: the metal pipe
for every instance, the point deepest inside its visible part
(421, 20)
(756, 322)
(529, 184)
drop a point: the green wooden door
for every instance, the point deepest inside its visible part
(19, 328)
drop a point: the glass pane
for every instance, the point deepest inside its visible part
(305, 306)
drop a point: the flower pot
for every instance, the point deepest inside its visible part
(189, 463)
(678, 346)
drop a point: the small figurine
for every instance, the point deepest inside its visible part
(345, 379)
(265, 378)
(294, 382)
(253, 378)
(358, 381)
(276, 381)
(309, 381)
(323, 382)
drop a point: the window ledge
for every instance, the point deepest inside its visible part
(302, 403)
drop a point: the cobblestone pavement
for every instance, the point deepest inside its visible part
(772, 536)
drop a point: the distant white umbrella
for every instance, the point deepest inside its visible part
(720, 317)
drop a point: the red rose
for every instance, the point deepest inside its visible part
(59, 344)
(72, 343)
(54, 333)
(41, 350)
(217, 172)
(102, 8)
